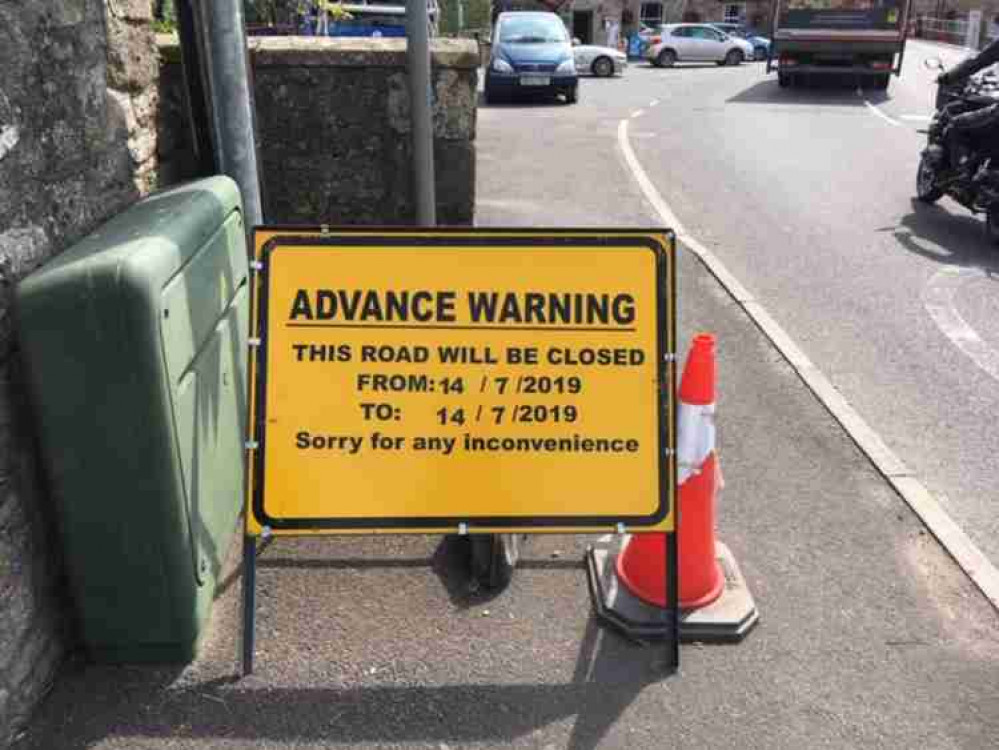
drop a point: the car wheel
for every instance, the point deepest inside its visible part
(927, 190)
(603, 67)
(666, 59)
(734, 57)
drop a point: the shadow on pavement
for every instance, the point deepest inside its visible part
(828, 91)
(99, 703)
(693, 66)
(236, 569)
(524, 101)
(957, 239)
(452, 564)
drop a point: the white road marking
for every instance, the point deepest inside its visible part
(637, 113)
(882, 115)
(938, 297)
(654, 103)
(958, 544)
(9, 136)
(649, 190)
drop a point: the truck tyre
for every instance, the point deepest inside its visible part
(784, 80)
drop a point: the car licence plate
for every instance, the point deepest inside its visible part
(535, 80)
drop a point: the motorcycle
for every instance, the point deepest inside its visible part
(974, 183)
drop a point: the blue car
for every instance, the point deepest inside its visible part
(531, 54)
(761, 45)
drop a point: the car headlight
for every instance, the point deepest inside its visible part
(566, 66)
(502, 66)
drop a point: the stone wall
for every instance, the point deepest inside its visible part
(78, 97)
(334, 131)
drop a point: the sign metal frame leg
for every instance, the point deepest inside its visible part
(672, 611)
(249, 601)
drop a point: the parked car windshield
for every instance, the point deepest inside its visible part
(534, 30)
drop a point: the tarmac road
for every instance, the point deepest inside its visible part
(870, 636)
(806, 195)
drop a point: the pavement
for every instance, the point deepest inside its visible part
(870, 636)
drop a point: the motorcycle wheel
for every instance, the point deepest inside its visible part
(926, 183)
(992, 225)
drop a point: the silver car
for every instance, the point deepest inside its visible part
(694, 42)
(600, 61)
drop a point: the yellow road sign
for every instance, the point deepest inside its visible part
(479, 380)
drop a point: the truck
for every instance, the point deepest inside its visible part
(861, 38)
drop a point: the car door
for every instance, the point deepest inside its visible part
(715, 43)
(681, 41)
(702, 43)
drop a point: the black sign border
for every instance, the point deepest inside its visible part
(408, 237)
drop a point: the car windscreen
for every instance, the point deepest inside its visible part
(534, 30)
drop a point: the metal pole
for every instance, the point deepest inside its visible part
(196, 95)
(672, 603)
(421, 112)
(232, 111)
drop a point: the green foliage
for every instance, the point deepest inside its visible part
(335, 11)
(164, 27)
(164, 17)
(260, 11)
(476, 15)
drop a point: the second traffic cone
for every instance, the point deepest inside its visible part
(641, 565)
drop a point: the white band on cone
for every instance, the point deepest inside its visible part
(695, 438)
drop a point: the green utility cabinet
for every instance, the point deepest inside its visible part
(135, 346)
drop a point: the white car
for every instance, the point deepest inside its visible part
(600, 61)
(695, 42)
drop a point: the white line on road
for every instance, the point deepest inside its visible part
(938, 297)
(651, 194)
(922, 502)
(882, 115)
(637, 113)
(9, 136)
(654, 103)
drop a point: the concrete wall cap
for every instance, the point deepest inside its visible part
(346, 52)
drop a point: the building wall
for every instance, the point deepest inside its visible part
(78, 96)
(334, 129)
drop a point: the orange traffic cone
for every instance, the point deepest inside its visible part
(628, 587)
(641, 566)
